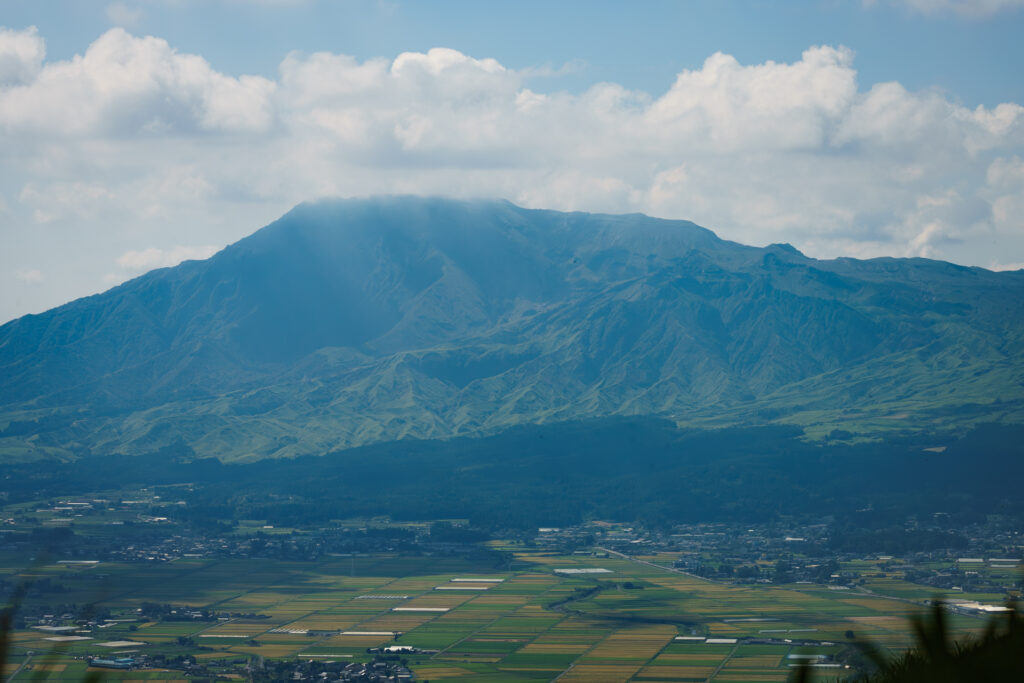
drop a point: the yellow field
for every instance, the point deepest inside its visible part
(686, 672)
(396, 621)
(634, 643)
(508, 632)
(598, 673)
(442, 673)
(554, 648)
(681, 658)
(232, 628)
(320, 622)
(348, 641)
(500, 599)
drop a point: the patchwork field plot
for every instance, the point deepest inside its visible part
(541, 621)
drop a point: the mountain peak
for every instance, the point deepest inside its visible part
(352, 321)
(785, 247)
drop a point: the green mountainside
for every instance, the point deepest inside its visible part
(353, 322)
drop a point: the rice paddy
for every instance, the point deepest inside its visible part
(534, 622)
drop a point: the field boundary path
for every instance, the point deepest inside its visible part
(722, 663)
(562, 606)
(28, 658)
(673, 570)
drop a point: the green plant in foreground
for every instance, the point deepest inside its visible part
(7, 613)
(997, 656)
(7, 622)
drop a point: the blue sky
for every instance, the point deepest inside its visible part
(891, 127)
(975, 56)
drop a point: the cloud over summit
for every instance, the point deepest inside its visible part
(145, 146)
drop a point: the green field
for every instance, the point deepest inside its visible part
(536, 624)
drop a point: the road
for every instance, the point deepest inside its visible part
(28, 659)
(662, 567)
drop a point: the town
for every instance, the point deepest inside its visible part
(73, 551)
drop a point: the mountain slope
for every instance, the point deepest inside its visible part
(356, 321)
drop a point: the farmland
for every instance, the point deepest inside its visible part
(521, 621)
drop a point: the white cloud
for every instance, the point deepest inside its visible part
(893, 119)
(1006, 173)
(29, 276)
(1005, 193)
(135, 142)
(770, 106)
(80, 199)
(148, 259)
(21, 56)
(123, 15)
(126, 86)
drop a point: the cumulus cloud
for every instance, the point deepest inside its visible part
(21, 56)
(136, 142)
(730, 107)
(126, 86)
(148, 259)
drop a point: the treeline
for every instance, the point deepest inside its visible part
(894, 540)
(641, 470)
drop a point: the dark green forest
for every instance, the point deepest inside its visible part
(639, 470)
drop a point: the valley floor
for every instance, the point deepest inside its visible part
(590, 617)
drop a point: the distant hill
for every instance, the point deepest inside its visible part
(353, 322)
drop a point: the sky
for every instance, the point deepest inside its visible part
(135, 134)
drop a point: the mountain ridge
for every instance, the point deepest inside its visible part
(349, 322)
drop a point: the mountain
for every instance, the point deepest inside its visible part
(352, 322)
